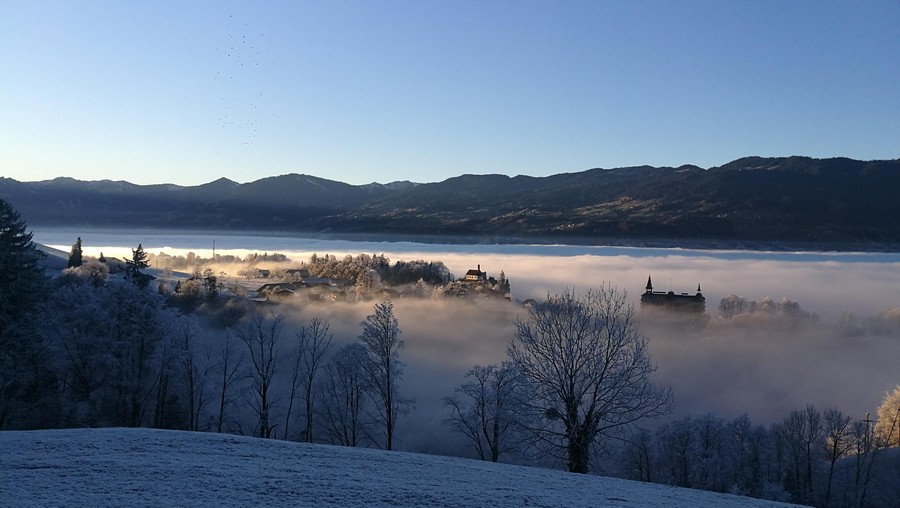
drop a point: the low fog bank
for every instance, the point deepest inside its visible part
(752, 365)
(759, 365)
(766, 371)
(728, 367)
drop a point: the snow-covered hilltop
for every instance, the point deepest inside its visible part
(144, 467)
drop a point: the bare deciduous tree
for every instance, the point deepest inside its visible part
(227, 367)
(381, 338)
(590, 371)
(838, 442)
(484, 409)
(803, 431)
(197, 365)
(313, 342)
(345, 389)
(262, 339)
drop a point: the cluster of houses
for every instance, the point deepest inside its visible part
(300, 282)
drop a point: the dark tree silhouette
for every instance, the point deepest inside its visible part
(381, 338)
(135, 265)
(590, 371)
(22, 280)
(75, 255)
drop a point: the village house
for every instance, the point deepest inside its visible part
(297, 273)
(476, 275)
(277, 289)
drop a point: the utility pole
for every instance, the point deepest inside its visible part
(868, 421)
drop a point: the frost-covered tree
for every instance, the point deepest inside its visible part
(887, 430)
(589, 370)
(421, 289)
(111, 349)
(93, 271)
(731, 306)
(485, 408)
(381, 338)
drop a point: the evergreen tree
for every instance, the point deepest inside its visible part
(22, 286)
(22, 280)
(75, 255)
(134, 266)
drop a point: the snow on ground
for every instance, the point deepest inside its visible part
(143, 467)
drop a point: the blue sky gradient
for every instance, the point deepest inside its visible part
(186, 92)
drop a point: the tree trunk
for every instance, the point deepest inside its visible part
(580, 451)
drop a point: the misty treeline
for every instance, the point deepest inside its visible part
(378, 267)
(787, 311)
(813, 456)
(192, 260)
(347, 268)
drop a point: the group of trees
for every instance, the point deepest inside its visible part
(883, 323)
(92, 349)
(786, 312)
(354, 268)
(192, 260)
(824, 458)
(578, 373)
(350, 396)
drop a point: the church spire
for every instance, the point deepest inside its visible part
(649, 287)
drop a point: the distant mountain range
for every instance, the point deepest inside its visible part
(790, 202)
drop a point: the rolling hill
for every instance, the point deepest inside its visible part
(143, 467)
(794, 202)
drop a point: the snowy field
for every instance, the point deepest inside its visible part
(143, 467)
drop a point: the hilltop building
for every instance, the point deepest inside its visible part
(671, 301)
(476, 275)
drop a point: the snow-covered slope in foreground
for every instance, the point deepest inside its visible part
(141, 467)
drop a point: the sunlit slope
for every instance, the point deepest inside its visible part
(128, 467)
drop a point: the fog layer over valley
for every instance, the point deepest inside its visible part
(761, 364)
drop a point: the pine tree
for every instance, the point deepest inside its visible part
(22, 287)
(134, 266)
(75, 259)
(22, 280)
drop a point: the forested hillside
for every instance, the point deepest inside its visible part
(795, 201)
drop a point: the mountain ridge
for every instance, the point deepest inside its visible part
(752, 200)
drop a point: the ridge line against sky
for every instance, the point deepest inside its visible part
(361, 92)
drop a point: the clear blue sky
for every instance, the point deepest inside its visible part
(187, 91)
